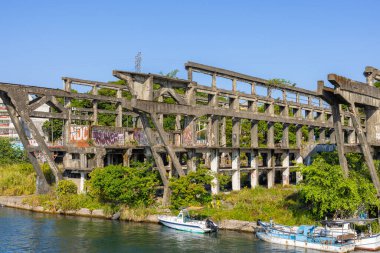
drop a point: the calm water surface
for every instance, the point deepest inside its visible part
(24, 231)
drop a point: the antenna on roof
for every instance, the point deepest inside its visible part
(138, 59)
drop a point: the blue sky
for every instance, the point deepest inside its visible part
(302, 41)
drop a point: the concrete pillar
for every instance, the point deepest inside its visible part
(223, 141)
(253, 88)
(119, 110)
(190, 74)
(299, 160)
(254, 136)
(234, 84)
(285, 136)
(286, 172)
(67, 105)
(127, 157)
(255, 171)
(332, 136)
(213, 82)
(270, 135)
(235, 170)
(271, 171)
(83, 161)
(214, 130)
(236, 154)
(299, 136)
(311, 135)
(322, 135)
(351, 137)
(191, 161)
(95, 106)
(82, 180)
(177, 136)
(215, 169)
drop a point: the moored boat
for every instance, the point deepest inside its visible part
(362, 241)
(304, 237)
(183, 222)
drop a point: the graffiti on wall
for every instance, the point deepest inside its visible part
(188, 136)
(140, 137)
(79, 135)
(107, 137)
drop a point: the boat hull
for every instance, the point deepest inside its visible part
(370, 243)
(185, 227)
(309, 245)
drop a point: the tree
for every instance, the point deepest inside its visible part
(327, 193)
(122, 185)
(9, 153)
(191, 189)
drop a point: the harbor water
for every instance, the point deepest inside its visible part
(25, 231)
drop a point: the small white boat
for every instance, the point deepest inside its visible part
(304, 237)
(185, 223)
(341, 228)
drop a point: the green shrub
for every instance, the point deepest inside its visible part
(66, 187)
(17, 179)
(190, 189)
(9, 153)
(121, 185)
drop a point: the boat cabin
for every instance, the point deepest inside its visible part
(183, 216)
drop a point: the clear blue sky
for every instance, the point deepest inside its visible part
(302, 41)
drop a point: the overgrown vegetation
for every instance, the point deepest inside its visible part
(190, 189)
(116, 184)
(327, 193)
(278, 203)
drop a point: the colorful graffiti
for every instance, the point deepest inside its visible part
(188, 136)
(141, 138)
(107, 137)
(79, 135)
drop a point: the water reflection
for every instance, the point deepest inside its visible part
(23, 231)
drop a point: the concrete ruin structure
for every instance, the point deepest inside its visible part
(209, 120)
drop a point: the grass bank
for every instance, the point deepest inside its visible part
(279, 203)
(17, 179)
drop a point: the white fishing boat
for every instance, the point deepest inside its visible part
(304, 237)
(363, 241)
(183, 222)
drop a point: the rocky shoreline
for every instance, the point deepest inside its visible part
(17, 202)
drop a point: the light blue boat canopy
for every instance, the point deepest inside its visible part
(305, 230)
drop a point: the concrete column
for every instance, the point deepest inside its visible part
(270, 135)
(82, 180)
(119, 110)
(332, 136)
(286, 172)
(235, 132)
(177, 136)
(285, 136)
(253, 88)
(191, 161)
(83, 161)
(351, 137)
(270, 109)
(215, 169)
(311, 135)
(322, 135)
(67, 122)
(299, 136)
(213, 82)
(215, 130)
(271, 171)
(95, 106)
(127, 157)
(255, 171)
(299, 160)
(190, 74)
(223, 141)
(236, 154)
(254, 136)
(235, 170)
(234, 85)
